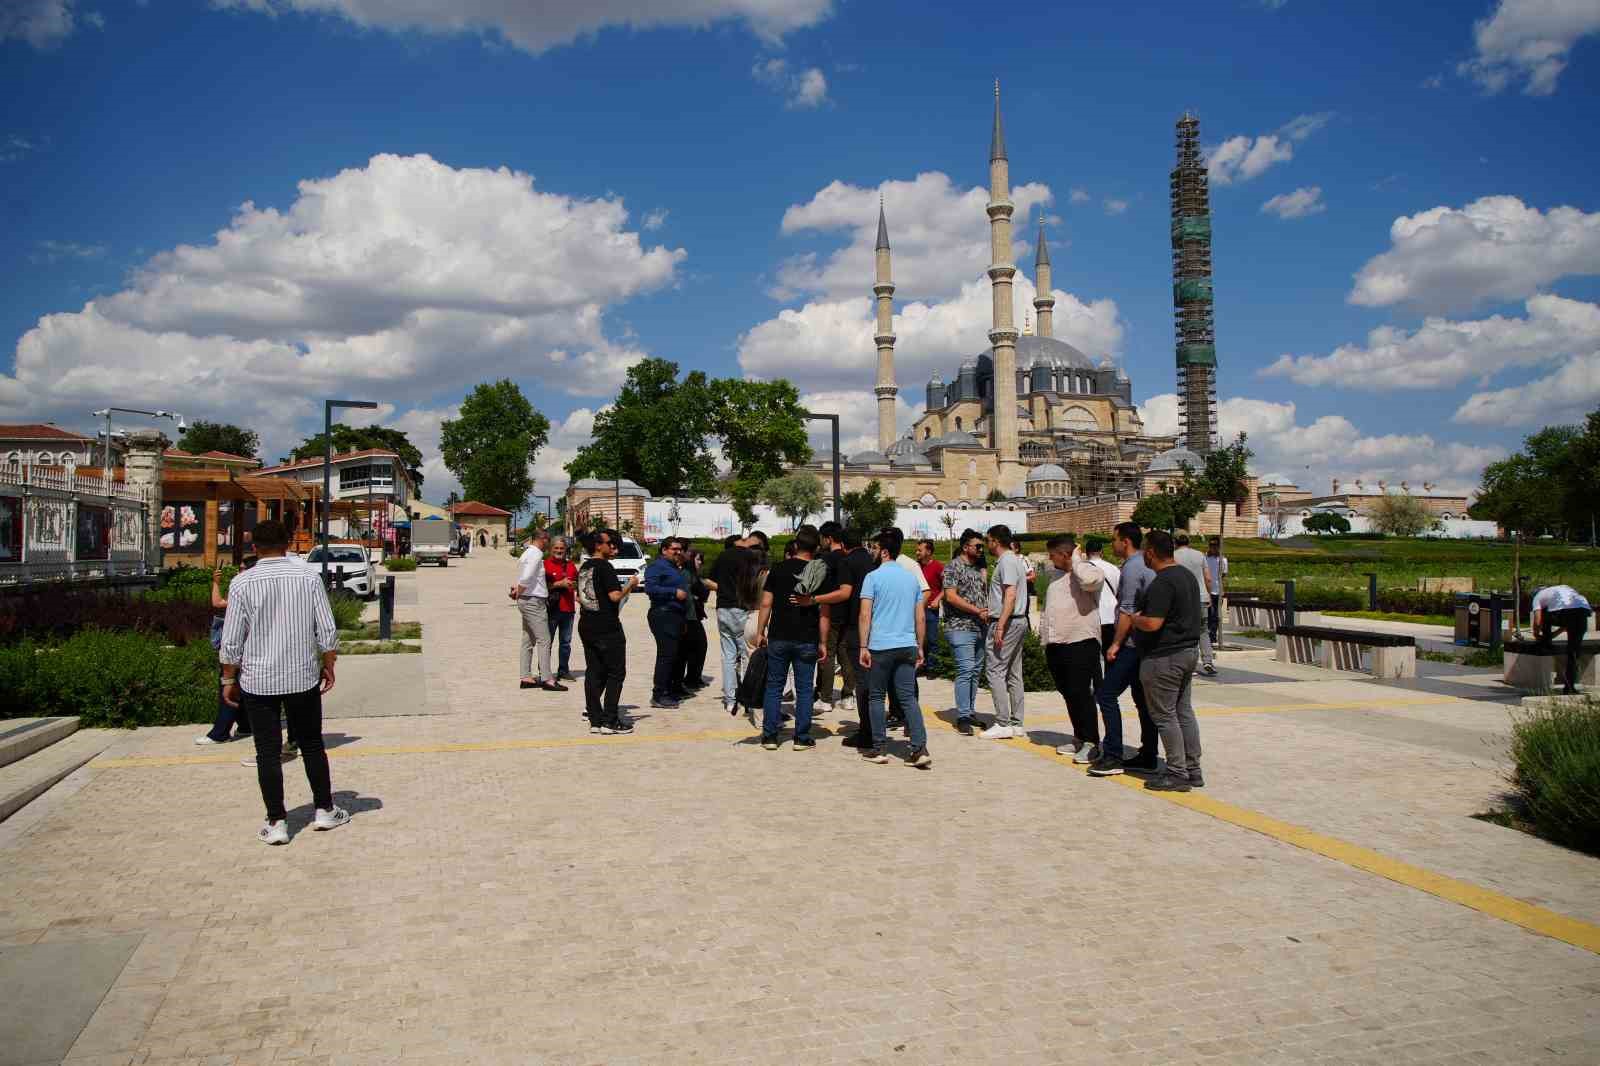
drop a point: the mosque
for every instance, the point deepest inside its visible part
(1032, 419)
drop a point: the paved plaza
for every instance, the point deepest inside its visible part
(513, 889)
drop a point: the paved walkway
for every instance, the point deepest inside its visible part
(513, 889)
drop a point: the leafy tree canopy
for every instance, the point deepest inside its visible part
(203, 436)
(1551, 486)
(492, 444)
(867, 510)
(1225, 477)
(794, 496)
(1172, 509)
(1401, 515)
(1326, 522)
(361, 438)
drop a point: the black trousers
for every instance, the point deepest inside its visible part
(303, 711)
(1575, 621)
(1149, 739)
(1076, 670)
(666, 625)
(850, 644)
(692, 653)
(605, 667)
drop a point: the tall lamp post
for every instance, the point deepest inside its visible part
(327, 466)
(834, 419)
(549, 505)
(105, 412)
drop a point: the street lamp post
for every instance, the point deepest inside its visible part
(834, 420)
(105, 412)
(327, 466)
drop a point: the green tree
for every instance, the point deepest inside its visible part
(763, 432)
(1326, 522)
(1173, 508)
(1550, 486)
(452, 499)
(203, 436)
(361, 438)
(492, 444)
(867, 510)
(794, 496)
(1225, 478)
(996, 496)
(1401, 515)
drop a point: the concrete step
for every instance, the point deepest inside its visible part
(27, 779)
(21, 737)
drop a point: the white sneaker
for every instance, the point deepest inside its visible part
(821, 707)
(287, 755)
(998, 732)
(205, 738)
(1087, 754)
(330, 819)
(273, 833)
(847, 704)
(1067, 749)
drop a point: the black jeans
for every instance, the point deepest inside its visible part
(692, 653)
(1076, 670)
(666, 625)
(303, 710)
(850, 644)
(605, 666)
(1214, 619)
(1575, 620)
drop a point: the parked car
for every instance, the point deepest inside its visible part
(351, 561)
(630, 559)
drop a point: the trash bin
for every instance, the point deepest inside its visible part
(1478, 619)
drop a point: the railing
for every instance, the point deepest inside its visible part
(58, 525)
(1074, 502)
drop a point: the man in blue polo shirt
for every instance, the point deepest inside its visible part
(892, 625)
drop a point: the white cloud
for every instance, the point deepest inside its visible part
(858, 419)
(1528, 39)
(1242, 158)
(1301, 127)
(538, 25)
(1298, 204)
(15, 147)
(397, 281)
(42, 23)
(1443, 352)
(1313, 453)
(1080, 196)
(801, 89)
(55, 251)
(1495, 248)
(1114, 206)
(655, 219)
(1564, 396)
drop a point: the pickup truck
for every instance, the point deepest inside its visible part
(431, 541)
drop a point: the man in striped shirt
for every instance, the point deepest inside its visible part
(279, 644)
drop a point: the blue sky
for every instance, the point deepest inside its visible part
(705, 191)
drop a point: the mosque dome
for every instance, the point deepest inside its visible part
(905, 452)
(1173, 460)
(1047, 472)
(867, 458)
(957, 439)
(1033, 350)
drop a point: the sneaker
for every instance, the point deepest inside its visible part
(847, 704)
(1068, 749)
(964, 726)
(769, 743)
(876, 755)
(552, 686)
(1167, 783)
(206, 738)
(919, 758)
(664, 704)
(273, 833)
(285, 756)
(858, 739)
(332, 818)
(621, 727)
(1209, 669)
(821, 707)
(1105, 766)
(1141, 761)
(998, 732)
(804, 743)
(1196, 779)
(566, 675)
(594, 728)
(1087, 755)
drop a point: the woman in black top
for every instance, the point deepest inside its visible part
(605, 647)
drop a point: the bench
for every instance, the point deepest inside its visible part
(1534, 667)
(1265, 614)
(1393, 654)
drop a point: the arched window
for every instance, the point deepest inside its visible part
(983, 489)
(964, 494)
(927, 431)
(958, 422)
(972, 467)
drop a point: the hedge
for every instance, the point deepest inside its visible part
(1312, 597)
(400, 563)
(111, 680)
(54, 614)
(1556, 752)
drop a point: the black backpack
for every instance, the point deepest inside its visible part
(752, 692)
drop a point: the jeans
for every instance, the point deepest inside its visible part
(666, 625)
(1121, 673)
(691, 654)
(735, 653)
(1168, 685)
(1005, 673)
(226, 717)
(781, 654)
(836, 657)
(1214, 618)
(605, 666)
(304, 713)
(535, 634)
(850, 648)
(895, 668)
(967, 647)
(930, 636)
(1206, 656)
(1076, 670)
(561, 626)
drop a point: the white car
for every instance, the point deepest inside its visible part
(353, 562)
(629, 560)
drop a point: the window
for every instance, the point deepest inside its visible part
(958, 423)
(339, 553)
(629, 550)
(373, 477)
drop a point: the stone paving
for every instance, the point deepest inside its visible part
(513, 889)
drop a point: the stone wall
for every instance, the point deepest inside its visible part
(1088, 517)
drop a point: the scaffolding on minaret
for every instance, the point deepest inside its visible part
(1192, 293)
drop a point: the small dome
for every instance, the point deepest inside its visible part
(1173, 461)
(904, 446)
(1047, 472)
(865, 458)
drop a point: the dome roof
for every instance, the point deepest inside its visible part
(1031, 349)
(1173, 460)
(904, 446)
(1047, 472)
(864, 458)
(957, 439)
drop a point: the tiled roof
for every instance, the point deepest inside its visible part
(339, 457)
(179, 453)
(38, 431)
(474, 507)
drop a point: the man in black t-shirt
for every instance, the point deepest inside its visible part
(794, 631)
(1169, 623)
(731, 614)
(837, 603)
(605, 646)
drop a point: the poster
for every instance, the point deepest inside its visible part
(225, 521)
(10, 529)
(127, 530)
(94, 532)
(47, 524)
(183, 526)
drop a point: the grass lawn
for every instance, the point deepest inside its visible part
(380, 647)
(369, 631)
(1391, 616)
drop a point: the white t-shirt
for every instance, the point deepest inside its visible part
(908, 563)
(1559, 598)
(531, 575)
(1108, 591)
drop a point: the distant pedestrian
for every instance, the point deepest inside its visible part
(794, 631)
(1216, 576)
(1122, 663)
(1194, 562)
(561, 583)
(1562, 607)
(933, 596)
(1008, 599)
(600, 595)
(531, 593)
(666, 582)
(857, 562)
(891, 621)
(227, 715)
(279, 647)
(1172, 619)
(1069, 629)
(966, 621)
(693, 647)
(1032, 574)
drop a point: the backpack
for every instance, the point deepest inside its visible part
(752, 693)
(811, 578)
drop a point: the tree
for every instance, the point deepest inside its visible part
(762, 429)
(1172, 508)
(492, 443)
(794, 496)
(1401, 515)
(1225, 478)
(1551, 486)
(203, 436)
(996, 496)
(948, 521)
(866, 511)
(1326, 522)
(361, 438)
(452, 499)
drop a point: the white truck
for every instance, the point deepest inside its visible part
(431, 540)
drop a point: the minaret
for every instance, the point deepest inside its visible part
(1044, 301)
(1003, 337)
(884, 291)
(1191, 292)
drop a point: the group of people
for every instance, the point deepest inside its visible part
(545, 593)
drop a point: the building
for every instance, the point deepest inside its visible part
(489, 527)
(178, 459)
(619, 502)
(47, 444)
(1356, 498)
(373, 482)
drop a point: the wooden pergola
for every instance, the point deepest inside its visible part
(292, 502)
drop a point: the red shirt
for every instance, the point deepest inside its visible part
(933, 571)
(565, 600)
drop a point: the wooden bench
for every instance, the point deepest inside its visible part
(1535, 667)
(1393, 654)
(1265, 614)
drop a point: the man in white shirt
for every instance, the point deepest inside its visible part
(531, 594)
(1562, 607)
(1108, 591)
(1194, 562)
(1216, 574)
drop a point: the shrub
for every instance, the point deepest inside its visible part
(1557, 771)
(112, 679)
(56, 614)
(347, 608)
(400, 563)
(1035, 670)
